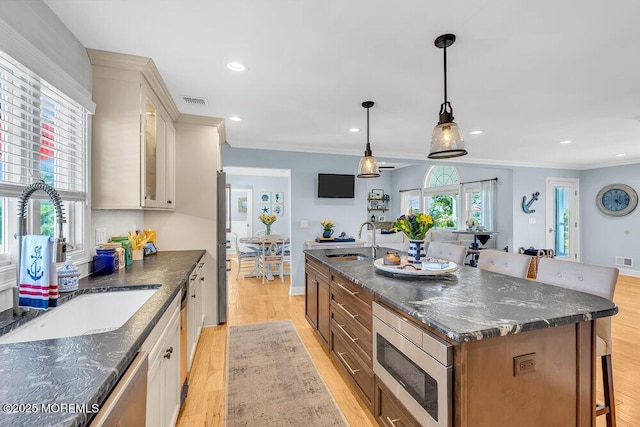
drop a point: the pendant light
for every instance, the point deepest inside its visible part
(446, 140)
(368, 167)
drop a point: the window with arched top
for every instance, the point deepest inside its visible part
(440, 176)
(441, 195)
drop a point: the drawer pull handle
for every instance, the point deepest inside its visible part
(353, 340)
(353, 371)
(167, 354)
(353, 316)
(393, 422)
(350, 292)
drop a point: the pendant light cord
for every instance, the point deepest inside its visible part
(445, 74)
(368, 146)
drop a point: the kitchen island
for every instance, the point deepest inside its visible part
(73, 376)
(491, 321)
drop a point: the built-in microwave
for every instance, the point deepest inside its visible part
(416, 366)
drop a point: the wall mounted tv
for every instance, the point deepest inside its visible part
(336, 186)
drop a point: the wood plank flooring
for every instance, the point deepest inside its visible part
(252, 302)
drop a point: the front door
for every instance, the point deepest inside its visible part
(562, 217)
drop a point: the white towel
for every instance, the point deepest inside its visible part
(38, 281)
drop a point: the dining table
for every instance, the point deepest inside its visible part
(256, 243)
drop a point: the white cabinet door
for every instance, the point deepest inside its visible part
(154, 394)
(171, 372)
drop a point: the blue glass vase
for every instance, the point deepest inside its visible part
(414, 254)
(327, 233)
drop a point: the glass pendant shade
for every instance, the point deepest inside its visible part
(368, 167)
(446, 141)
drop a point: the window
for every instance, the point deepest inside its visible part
(43, 136)
(441, 196)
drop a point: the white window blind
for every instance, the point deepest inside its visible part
(42, 134)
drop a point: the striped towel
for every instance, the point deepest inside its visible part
(38, 281)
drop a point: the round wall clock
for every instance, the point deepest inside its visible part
(617, 200)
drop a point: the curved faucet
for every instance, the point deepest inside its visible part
(374, 247)
(60, 246)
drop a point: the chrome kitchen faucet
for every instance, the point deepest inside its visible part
(60, 244)
(374, 247)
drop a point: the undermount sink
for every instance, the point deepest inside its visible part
(84, 315)
(347, 257)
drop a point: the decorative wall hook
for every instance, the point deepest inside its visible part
(527, 205)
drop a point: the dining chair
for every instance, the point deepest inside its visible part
(448, 251)
(597, 280)
(511, 264)
(271, 257)
(260, 233)
(244, 253)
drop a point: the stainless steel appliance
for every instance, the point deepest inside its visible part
(127, 404)
(416, 366)
(223, 226)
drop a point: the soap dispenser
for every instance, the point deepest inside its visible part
(68, 277)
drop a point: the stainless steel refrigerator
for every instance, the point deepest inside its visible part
(223, 226)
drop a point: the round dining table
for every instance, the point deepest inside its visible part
(256, 242)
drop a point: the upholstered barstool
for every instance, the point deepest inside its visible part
(455, 253)
(596, 280)
(511, 264)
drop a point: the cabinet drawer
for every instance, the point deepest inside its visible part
(361, 374)
(356, 310)
(357, 292)
(389, 411)
(317, 269)
(354, 334)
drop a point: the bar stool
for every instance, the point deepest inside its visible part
(455, 253)
(596, 280)
(511, 264)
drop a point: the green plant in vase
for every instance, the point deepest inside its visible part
(327, 227)
(415, 226)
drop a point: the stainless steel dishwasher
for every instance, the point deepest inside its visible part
(127, 404)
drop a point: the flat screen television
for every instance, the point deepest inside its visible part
(336, 186)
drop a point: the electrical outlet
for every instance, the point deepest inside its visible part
(524, 364)
(304, 223)
(532, 220)
(101, 236)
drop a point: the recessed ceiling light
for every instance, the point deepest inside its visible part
(475, 132)
(620, 155)
(236, 66)
(235, 119)
(354, 130)
(565, 142)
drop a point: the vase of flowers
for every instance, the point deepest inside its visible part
(327, 227)
(415, 226)
(267, 220)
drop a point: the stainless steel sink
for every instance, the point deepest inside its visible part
(347, 257)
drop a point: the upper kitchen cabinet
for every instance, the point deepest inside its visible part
(133, 137)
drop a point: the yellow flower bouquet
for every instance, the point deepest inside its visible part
(414, 225)
(267, 220)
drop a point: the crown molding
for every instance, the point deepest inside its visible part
(143, 65)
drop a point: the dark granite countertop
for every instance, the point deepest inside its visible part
(81, 371)
(471, 304)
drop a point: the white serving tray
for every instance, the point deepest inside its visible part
(410, 270)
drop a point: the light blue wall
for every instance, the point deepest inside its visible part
(260, 184)
(348, 214)
(605, 237)
(527, 181)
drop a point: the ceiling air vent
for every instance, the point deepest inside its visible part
(194, 100)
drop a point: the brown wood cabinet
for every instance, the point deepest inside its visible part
(351, 339)
(317, 298)
(389, 411)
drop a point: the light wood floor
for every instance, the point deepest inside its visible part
(252, 302)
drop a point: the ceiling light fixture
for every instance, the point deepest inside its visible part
(236, 66)
(446, 140)
(475, 132)
(354, 130)
(368, 167)
(235, 119)
(565, 142)
(620, 155)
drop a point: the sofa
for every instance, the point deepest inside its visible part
(399, 241)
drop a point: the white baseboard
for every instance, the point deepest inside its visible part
(296, 290)
(629, 272)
